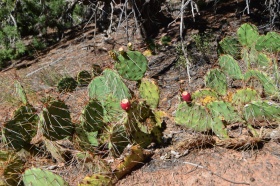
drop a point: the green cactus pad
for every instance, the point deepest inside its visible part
(112, 109)
(143, 125)
(92, 116)
(142, 138)
(149, 91)
(115, 137)
(21, 92)
(67, 84)
(243, 96)
(263, 60)
(84, 78)
(116, 85)
(98, 88)
(258, 112)
(224, 111)
(249, 57)
(231, 46)
(199, 95)
(85, 140)
(109, 83)
(217, 81)
(230, 67)
(96, 180)
(269, 42)
(219, 129)
(247, 34)
(194, 117)
(19, 131)
(269, 86)
(132, 65)
(56, 121)
(39, 177)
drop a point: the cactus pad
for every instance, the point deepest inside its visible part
(20, 130)
(21, 92)
(217, 81)
(67, 84)
(263, 60)
(269, 86)
(115, 138)
(96, 70)
(132, 65)
(92, 116)
(96, 180)
(149, 91)
(229, 45)
(258, 112)
(56, 121)
(83, 78)
(269, 42)
(39, 177)
(243, 96)
(230, 67)
(98, 88)
(194, 117)
(247, 34)
(109, 83)
(224, 111)
(112, 109)
(11, 167)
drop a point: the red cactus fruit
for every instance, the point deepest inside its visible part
(186, 96)
(125, 104)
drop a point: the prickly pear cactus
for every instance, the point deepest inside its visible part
(230, 67)
(19, 131)
(112, 109)
(135, 155)
(143, 126)
(243, 96)
(262, 113)
(131, 65)
(84, 78)
(85, 140)
(67, 84)
(92, 116)
(217, 81)
(96, 180)
(247, 34)
(149, 91)
(224, 111)
(115, 139)
(229, 45)
(40, 177)
(197, 118)
(55, 121)
(194, 117)
(11, 167)
(263, 61)
(109, 83)
(96, 70)
(269, 42)
(270, 88)
(21, 92)
(199, 96)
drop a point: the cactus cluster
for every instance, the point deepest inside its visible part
(83, 78)
(248, 60)
(106, 126)
(115, 117)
